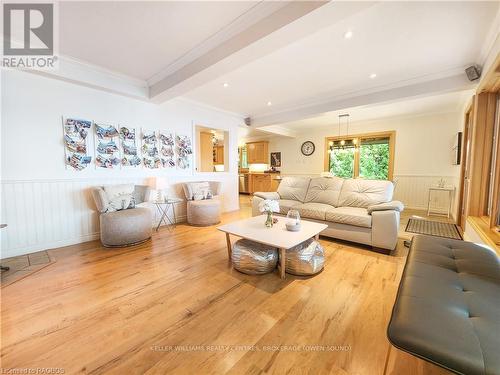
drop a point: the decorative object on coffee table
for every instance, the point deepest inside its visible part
(293, 221)
(267, 207)
(253, 258)
(277, 236)
(307, 258)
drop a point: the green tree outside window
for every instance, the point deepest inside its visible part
(369, 157)
(342, 162)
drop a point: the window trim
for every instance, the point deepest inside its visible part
(391, 134)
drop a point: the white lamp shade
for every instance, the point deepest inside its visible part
(160, 183)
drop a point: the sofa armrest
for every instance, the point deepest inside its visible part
(385, 228)
(272, 195)
(388, 206)
(100, 199)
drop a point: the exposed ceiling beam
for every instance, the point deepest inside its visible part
(278, 130)
(442, 85)
(177, 78)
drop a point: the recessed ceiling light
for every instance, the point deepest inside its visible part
(348, 34)
(373, 75)
(269, 104)
(225, 84)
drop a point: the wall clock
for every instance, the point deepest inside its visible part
(307, 148)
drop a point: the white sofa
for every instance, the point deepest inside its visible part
(355, 210)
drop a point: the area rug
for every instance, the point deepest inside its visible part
(23, 266)
(433, 228)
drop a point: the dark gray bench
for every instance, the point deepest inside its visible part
(447, 309)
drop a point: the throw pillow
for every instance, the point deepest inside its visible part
(113, 191)
(200, 190)
(120, 197)
(121, 202)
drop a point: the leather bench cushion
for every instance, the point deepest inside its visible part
(363, 193)
(316, 211)
(294, 188)
(324, 190)
(350, 215)
(287, 204)
(447, 309)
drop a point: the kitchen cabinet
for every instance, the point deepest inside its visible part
(262, 182)
(219, 155)
(258, 152)
(206, 152)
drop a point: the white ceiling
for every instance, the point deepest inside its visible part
(449, 102)
(139, 39)
(399, 41)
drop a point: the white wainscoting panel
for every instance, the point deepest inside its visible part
(413, 190)
(45, 214)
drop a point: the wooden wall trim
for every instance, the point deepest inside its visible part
(480, 153)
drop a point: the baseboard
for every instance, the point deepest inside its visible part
(49, 245)
(65, 242)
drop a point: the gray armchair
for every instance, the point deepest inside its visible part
(203, 212)
(125, 227)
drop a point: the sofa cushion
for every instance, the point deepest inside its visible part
(312, 210)
(363, 193)
(294, 188)
(287, 204)
(324, 190)
(356, 216)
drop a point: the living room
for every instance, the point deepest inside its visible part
(250, 187)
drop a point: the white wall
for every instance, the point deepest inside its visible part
(423, 153)
(44, 204)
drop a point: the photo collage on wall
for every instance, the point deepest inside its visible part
(184, 151)
(167, 150)
(123, 147)
(75, 141)
(128, 140)
(107, 151)
(150, 155)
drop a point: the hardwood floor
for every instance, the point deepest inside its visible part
(174, 305)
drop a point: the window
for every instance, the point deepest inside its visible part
(342, 159)
(374, 158)
(368, 156)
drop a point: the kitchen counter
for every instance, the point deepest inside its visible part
(251, 182)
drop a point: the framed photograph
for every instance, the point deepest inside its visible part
(276, 159)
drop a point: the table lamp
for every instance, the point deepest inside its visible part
(160, 184)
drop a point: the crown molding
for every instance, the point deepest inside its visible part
(301, 131)
(382, 94)
(491, 45)
(85, 74)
